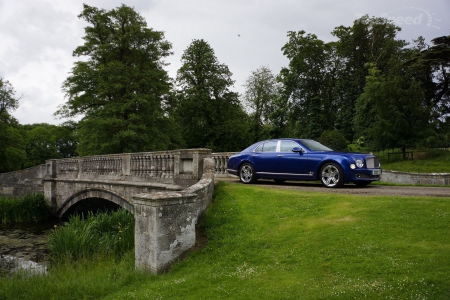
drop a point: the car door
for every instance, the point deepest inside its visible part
(265, 159)
(293, 165)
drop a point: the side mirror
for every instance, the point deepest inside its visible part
(297, 149)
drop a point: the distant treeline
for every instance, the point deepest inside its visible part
(367, 87)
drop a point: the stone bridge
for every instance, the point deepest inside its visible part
(167, 192)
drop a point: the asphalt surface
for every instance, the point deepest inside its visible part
(352, 189)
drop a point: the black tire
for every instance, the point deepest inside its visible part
(247, 173)
(331, 175)
(362, 183)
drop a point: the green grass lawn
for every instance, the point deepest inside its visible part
(427, 161)
(262, 243)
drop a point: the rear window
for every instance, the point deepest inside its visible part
(267, 147)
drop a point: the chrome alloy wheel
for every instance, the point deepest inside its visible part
(331, 176)
(247, 174)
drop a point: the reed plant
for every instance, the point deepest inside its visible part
(85, 237)
(30, 208)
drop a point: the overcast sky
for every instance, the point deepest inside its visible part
(37, 37)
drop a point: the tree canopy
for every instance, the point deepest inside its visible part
(120, 87)
(209, 112)
(367, 85)
(12, 152)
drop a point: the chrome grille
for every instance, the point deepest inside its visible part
(372, 162)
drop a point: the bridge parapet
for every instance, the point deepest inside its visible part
(220, 163)
(181, 167)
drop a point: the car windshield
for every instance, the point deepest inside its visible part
(314, 145)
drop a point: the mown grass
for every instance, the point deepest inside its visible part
(30, 208)
(279, 244)
(425, 161)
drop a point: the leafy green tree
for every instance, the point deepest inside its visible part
(8, 102)
(261, 91)
(432, 64)
(209, 112)
(40, 144)
(307, 85)
(120, 86)
(12, 152)
(12, 148)
(368, 40)
(65, 138)
(392, 113)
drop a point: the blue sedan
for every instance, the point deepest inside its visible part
(303, 159)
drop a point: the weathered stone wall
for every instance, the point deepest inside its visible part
(22, 182)
(165, 222)
(416, 178)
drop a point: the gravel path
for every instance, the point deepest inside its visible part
(353, 189)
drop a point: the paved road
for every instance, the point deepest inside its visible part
(353, 189)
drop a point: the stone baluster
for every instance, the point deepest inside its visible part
(224, 164)
(133, 165)
(158, 166)
(152, 166)
(118, 166)
(170, 165)
(147, 165)
(164, 166)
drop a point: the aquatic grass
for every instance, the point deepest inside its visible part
(30, 208)
(80, 237)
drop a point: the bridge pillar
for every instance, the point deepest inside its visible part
(165, 221)
(50, 191)
(164, 228)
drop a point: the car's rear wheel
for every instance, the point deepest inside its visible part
(332, 175)
(247, 173)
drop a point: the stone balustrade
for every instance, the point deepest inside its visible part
(220, 163)
(181, 167)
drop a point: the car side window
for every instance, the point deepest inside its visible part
(286, 146)
(267, 147)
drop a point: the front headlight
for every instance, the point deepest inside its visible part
(359, 163)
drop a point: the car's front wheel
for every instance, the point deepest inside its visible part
(247, 173)
(332, 175)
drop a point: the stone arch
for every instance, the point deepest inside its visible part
(94, 193)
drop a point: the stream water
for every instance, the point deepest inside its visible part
(24, 246)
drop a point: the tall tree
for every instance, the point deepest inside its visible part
(308, 84)
(433, 64)
(209, 112)
(12, 151)
(46, 141)
(261, 91)
(392, 111)
(40, 144)
(8, 101)
(368, 40)
(120, 87)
